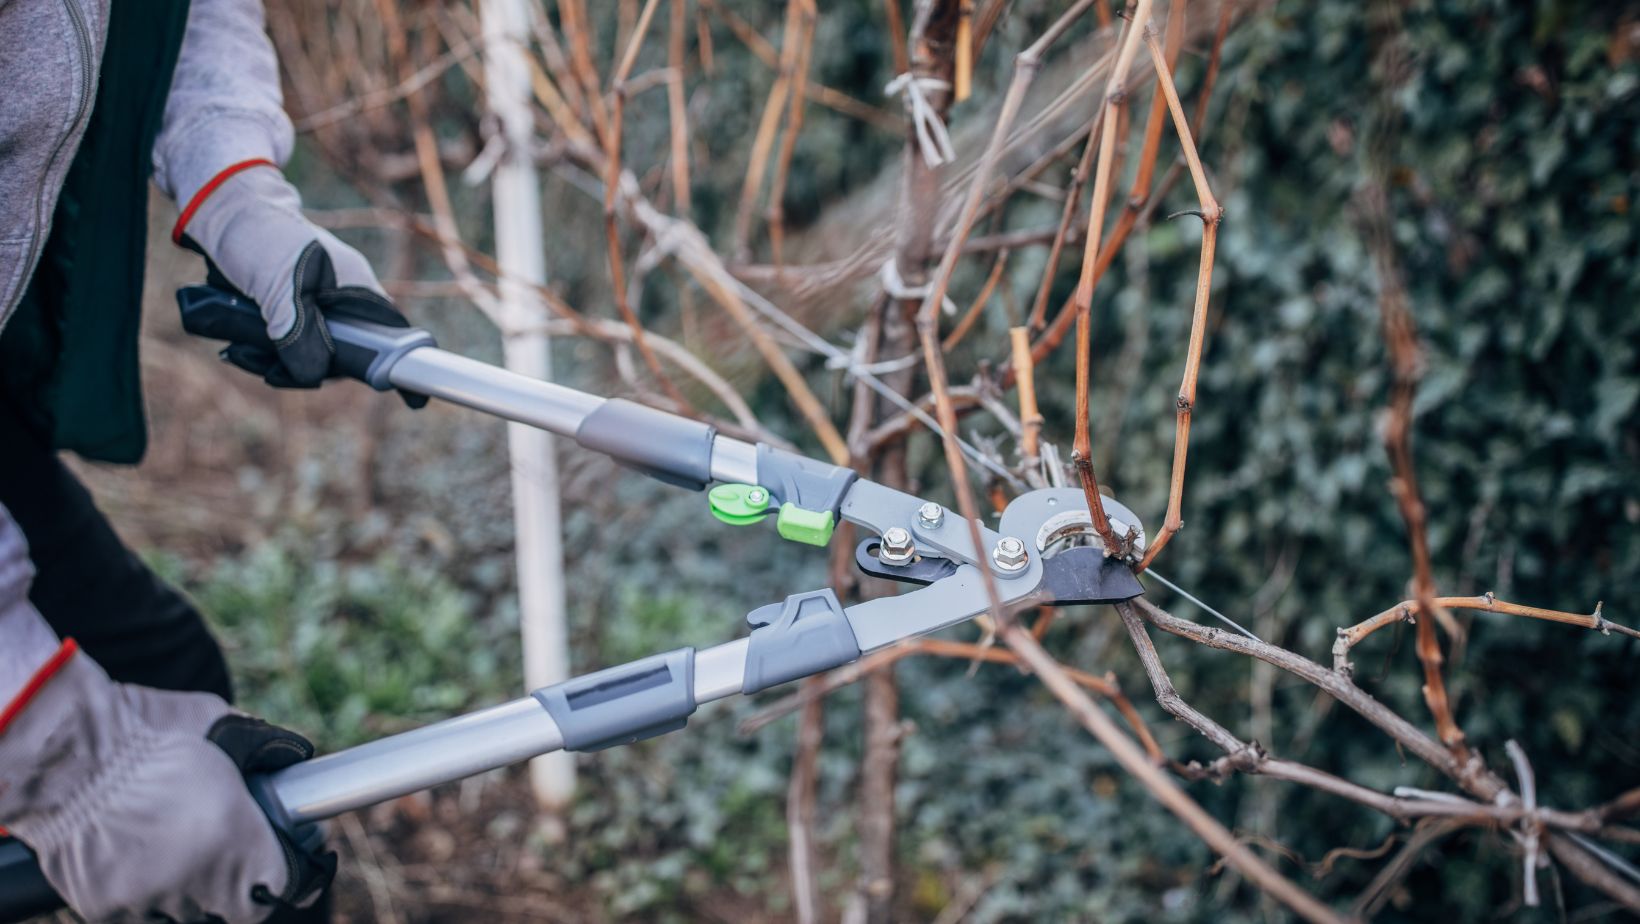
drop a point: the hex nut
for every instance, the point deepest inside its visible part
(930, 515)
(1010, 555)
(897, 546)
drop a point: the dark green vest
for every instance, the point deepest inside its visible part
(68, 357)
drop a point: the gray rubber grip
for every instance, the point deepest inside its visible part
(807, 483)
(620, 705)
(804, 635)
(674, 449)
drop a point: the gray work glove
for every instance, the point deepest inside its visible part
(257, 243)
(135, 803)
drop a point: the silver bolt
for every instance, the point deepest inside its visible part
(931, 515)
(757, 497)
(1009, 555)
(897, 547)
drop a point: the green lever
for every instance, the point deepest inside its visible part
(809, 526)
(739, 504)
(745, 504)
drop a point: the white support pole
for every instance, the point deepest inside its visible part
(520, 251)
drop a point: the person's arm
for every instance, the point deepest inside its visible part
(26, 642)
(219, 152)
(134, 799)
(225, 105)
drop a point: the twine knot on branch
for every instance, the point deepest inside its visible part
(932, 136)
(896, 287)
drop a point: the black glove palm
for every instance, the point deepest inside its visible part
(305, 357)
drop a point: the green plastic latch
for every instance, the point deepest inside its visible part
(739, 504)
(811, 526)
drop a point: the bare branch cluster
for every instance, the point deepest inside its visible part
(381, 79)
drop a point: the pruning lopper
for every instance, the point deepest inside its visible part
(1038, 553)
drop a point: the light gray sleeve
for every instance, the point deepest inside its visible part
(25, 639)
(225, 104)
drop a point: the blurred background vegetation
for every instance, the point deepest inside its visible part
(356, 557)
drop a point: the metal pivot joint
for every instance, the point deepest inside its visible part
(896, 547)
(1009, 555)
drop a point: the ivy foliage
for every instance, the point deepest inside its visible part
(1513, 174)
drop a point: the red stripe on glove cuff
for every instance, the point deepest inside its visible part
(32, 688)
(211, 187)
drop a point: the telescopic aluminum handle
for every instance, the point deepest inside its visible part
(672, 448)
(618, 705)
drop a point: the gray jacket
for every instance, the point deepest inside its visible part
(224, 107)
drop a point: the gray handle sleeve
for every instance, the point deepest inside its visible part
(620, 705)
(806, 634)
(673, 449)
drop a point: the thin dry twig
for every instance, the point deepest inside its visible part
(612, 176)
(1141, 198)
(688, 245)
(677, 111)
(432, 170)
(1429, 832)
(1407, 610)
(1211, 214)
(1471, 774)
(1530, 838)
(1252, 758)
(1030, 416)
(972, 315)
(1137, 194)
(776, 214)
(572, 16)
(895, 25)
(1082, 448)
(1106, 686)
(800, 798)
(767, 127)
(829, 97)
(1227, 11)
(1405, 360)
(1067, 218)
(385, 96)
(1159, 785)
(962, 80)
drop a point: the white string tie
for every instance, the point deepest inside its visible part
(896, 287)
(932, 137)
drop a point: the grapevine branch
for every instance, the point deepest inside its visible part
(583, 118)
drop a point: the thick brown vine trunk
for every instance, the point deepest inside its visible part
(878, 771)
(931, 46)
